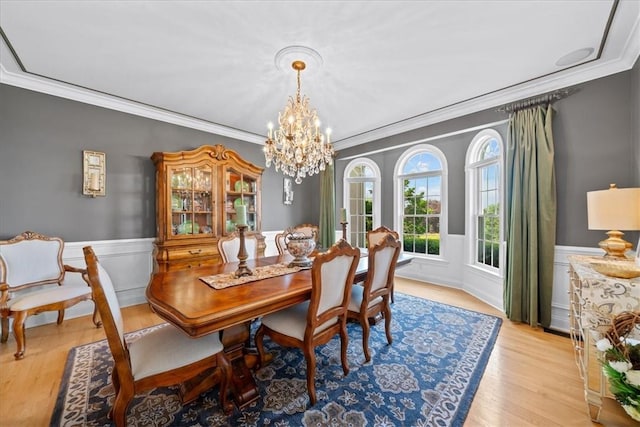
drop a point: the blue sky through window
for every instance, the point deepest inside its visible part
(422, 162)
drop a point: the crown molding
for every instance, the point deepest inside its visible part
(493, 100)
(547, 84)
(12, 74)
(629, 11)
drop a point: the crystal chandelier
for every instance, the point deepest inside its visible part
(297, 147)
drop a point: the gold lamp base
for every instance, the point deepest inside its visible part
(615, 246)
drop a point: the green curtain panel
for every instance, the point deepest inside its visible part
(531, 216)
(327, 207)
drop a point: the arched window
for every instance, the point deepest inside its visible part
(421, 194)
(485, 189)
(362, 199)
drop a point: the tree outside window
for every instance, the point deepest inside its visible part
(484, 161)
(421, 217)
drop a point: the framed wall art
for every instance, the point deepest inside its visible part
(287, 189)
(94, 176)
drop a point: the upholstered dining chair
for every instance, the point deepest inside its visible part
(160, 358)
(32, 281)
(373, 297)
(375, 236)
(229, 246)
(281, 245)
(317, 321)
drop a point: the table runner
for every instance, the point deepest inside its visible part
(226, 280)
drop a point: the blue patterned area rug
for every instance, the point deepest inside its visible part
(427, 377)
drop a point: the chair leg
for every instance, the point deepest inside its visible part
(60, 316)
(115, 381)
(366, 329)
(310, 357)
(4, 324)
(96, 316)
(387, 322)
(344, 344)
(260, 346)
(392, 298)
(120, 406)
(19, 333)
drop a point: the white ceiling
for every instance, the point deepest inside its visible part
(387, 66)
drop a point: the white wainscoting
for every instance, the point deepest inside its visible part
(453, 272)
(130, 264)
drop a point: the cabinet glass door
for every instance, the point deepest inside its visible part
(192, 200)
(240, 189)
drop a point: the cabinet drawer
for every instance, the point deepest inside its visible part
(192, 263)
(193, 252)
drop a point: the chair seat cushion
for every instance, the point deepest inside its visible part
(51, 295)
(357, 293)
(167, 348)
(292, 321)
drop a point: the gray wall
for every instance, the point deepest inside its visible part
(41, 143)
(596, 142)
(454, 149)
(42, 137)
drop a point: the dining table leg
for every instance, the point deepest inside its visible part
(243, 386)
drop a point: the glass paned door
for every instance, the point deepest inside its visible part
(192, 200)
(240, 189)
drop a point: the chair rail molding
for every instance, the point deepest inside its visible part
(130, 264)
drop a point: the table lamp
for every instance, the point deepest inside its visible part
(614, 209)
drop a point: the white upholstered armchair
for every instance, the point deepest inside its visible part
(31, 282)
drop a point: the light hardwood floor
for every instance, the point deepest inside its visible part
(531, 378)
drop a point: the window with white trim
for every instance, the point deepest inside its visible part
(485, 190)
(362, 199)
(421, 178)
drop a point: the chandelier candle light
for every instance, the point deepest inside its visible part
(297, 147)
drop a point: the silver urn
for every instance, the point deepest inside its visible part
(300, 245)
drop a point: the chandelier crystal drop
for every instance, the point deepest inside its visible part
(297, 147)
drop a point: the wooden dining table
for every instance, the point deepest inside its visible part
(184, 300)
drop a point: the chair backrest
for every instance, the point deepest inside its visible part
(383, 257)
(106, 301)
(332, 275)
(31, 259)
(376, 236)
(229, 246)
(280, 243)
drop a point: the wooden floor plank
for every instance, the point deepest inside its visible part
(531, 378)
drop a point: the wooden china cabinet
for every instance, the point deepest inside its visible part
(197, 192)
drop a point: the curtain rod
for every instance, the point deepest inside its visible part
(546, 98)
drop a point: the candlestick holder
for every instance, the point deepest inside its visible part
(344, 230)
(242, 270)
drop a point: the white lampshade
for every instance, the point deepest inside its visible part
(614, 209)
